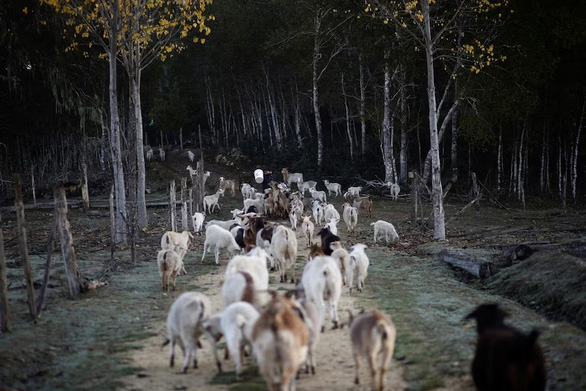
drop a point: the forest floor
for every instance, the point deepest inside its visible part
(111, 338)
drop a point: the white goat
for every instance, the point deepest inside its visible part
(178, 242)
(226, 224)
(373, 336)
(258, 204)
(293, 218)
(162, 154)
(226, 184)
(307, 227)
(332, 225)
(360, 263)
(318, 212)
(354, 191)
(304, 186)
(395, 189)
(318, 195)
(236, 212)
(383, 227)
(221, 239)
(238, 287)
(197, 220)
(149, 154)
(212, 328)
(255, 264)
(211, 201)
(321, 281)
(247, 191)
(336, 188)
(284, 250)
(280, 341)
(170, 265)
(206, 175)
(192, 172)
(350, 216)
(190, 155)
(237, 322)
(330, 212)
(184, 325)
(344, 262)
(311, 319)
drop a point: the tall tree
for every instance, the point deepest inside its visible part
(432, 26)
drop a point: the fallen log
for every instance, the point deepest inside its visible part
(520, 252)
(478, 267)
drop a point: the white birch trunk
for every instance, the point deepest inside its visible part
(115, 139)
(140, 164)
(499, 159)
(348, 131)
(575, 153)
(386, 125)
(362, 108)
(315, 96)
(403, 147)
(439, 229)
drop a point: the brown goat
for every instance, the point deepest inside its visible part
(280, 340)
(315, 250)
(505, 358)
(373, 335)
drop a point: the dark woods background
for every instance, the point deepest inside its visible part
(250, 87)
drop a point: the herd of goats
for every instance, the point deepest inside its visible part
(282, 330)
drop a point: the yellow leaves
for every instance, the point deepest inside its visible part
(419, 16)
(203, 40)
(25, 10)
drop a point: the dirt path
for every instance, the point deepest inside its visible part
(335, 367)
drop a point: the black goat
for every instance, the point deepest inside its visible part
(505, 359)
(327, 238)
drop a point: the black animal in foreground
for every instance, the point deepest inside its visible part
(505, 359)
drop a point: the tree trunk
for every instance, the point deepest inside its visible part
(297, 117)
(575, 153)
(273, 116)
(24, 259)
(67, 250)
(478, 267)
(115, 140)
(315, 96)
(4, 302)
(140, 164)
(499, 162)
(84, 189)
(439, 231)
(348, 130)
(386, 144)
(362, 107)
(403, 147)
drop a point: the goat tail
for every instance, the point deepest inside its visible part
(382, 330)
(371, 224)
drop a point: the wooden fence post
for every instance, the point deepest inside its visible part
(4, 303)
(414, 194)
(190, 203)
(184, 221)
(85, 195)
(21, 229)
(33, 184)
(112, 229)
(50, 246)
(172, 205)
(67, 250)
